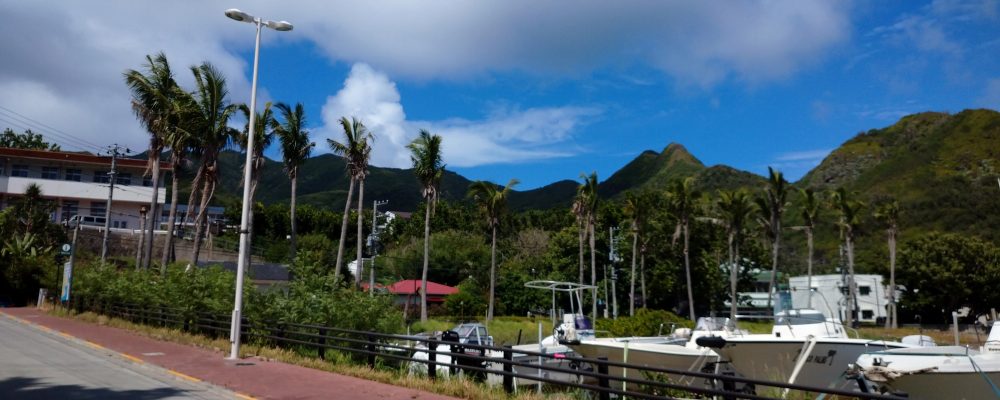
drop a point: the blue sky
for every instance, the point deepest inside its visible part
(539, 92)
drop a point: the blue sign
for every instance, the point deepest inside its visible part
(67, 281)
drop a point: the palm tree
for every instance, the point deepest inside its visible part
(587, 193)
(810, 214)
(493, 203)
(153, 102)
(181, 142)
(580, 212)
(295, 150)
(888, 214)
(850, 214)
(683, 199)
(355, 151)
(425, 152)
(636, 208)
(735, 209)
(263, 129)
(775, 200)
(211, 115)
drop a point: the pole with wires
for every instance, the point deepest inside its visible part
(115, 150)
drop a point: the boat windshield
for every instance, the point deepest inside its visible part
(583, 323)
(466, 330)
(714, 324)
(800, 319)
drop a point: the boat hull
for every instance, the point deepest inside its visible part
(935, 373)
(775, 359)
(657, 355)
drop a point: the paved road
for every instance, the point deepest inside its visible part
(37, 364)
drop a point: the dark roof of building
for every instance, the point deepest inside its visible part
(258, 271)
(79, 158)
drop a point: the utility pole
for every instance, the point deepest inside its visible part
(373, 245)
(115, 151)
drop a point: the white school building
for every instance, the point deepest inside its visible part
(78, 183)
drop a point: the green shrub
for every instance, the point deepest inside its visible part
(646, 322)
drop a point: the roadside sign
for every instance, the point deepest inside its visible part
(66, 249)
(67, 281)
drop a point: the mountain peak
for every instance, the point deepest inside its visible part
(676, 153)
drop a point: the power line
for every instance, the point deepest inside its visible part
(52, 132)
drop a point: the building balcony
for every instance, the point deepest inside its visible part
(80, 190)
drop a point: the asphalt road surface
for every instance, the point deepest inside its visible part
(37, 364)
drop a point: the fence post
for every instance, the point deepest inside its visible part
(431, 358)
(602, 380)
(322, 344)
(508, 380)
(371, 348)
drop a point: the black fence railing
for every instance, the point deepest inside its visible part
(498, 365)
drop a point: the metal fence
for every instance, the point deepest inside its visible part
(496, 364)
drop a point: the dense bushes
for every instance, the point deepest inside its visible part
(312, 298)
(646, 322)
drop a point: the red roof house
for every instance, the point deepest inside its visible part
(410, 289)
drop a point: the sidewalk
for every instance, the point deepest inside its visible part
(252, 377)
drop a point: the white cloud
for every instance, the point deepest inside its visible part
(505, 136)
(71, 55)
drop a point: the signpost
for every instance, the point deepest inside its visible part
(67, 281)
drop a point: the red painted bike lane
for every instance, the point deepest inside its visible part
(251, 377)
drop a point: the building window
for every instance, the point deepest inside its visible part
(20, 170)
(123, 178)
(120, 224)
(50, 173)
(864, 290)
(98, 209)
(73, 174)
(867, 314)
(147, 181)
(101, 177)
(70, 208)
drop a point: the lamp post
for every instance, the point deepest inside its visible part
(234, 331)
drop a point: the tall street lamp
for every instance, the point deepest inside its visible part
(234, 331)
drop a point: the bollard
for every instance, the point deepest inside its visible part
(508, 380)
(431, 356)
(602, 381)
(322, 344)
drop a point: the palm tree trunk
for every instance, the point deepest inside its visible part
(642, 277)
(775, 245)
(809, 264)
(733, 271)
(582, 235)
(631, 293)
(291, 211)
(199, 220)
(493, 275)
(687, 271)
(891, 318)
(168, 243)
(361, 225)
(851, 284)
(593, 268)
(343, 232)
(152, 216)
(427, 253)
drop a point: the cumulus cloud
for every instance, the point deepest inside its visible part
(63, 62)
(505, 136)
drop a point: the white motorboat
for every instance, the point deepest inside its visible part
(677, 351)
(574, 325)
(804, 347)
(946, 372)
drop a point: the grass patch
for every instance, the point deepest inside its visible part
(505, 330)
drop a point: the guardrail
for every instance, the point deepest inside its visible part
(495, 363)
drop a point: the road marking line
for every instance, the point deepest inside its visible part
(185, 376)
(94, 345)
(134, 359)
(243, 396)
